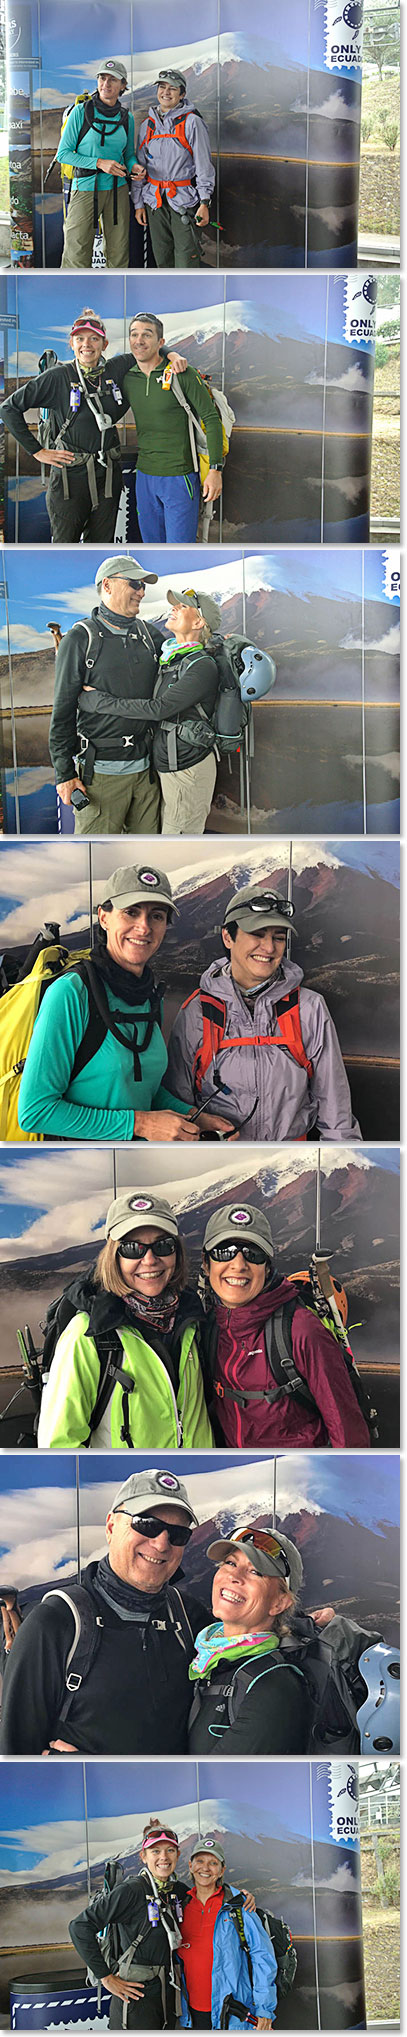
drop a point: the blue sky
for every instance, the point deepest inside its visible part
(270, 35)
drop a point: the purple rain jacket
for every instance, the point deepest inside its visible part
(261, 1090)
(170, 160)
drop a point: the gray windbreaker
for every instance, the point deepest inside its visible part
(168, 159)
(285, 1102)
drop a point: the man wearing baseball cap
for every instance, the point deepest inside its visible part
(279, 1376)
(133, 1696)
(97, 146)
(96, 1062)
(255, 1038)
(217, 1966)
(174, 149)
(103, 668)
(267, 1710)
(135, 1294)
(167, 477)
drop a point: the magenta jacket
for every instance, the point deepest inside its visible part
(241, 1362)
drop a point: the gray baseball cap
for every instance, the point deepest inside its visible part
(284, 1561)
(191, 599)
(240, 1222)
(158, 1488)
(114, 68)
(172, 78)
(120, 567)
(133, 883)
(257, 905)
(130, 1211)
(208, 1846)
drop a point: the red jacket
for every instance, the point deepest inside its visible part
(241, 1362)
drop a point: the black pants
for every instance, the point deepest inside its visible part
(146, 2014)
(72, 519)
(201, 2019)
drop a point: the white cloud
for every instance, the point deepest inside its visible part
(24, 638)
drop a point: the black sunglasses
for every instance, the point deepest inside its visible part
(161, 1248)
(253, 1252)
(138, 584)
(151, 1527)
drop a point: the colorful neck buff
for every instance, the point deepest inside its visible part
(156, 1309)
(212, 1644)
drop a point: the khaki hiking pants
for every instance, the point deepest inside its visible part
(79, 230)
(187, 797)
(123, 805)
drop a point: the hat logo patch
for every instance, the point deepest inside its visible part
(240, 1216)
(140, 1202)
(149, 877)
(166, 1479)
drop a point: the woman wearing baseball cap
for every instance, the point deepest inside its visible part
(276, 1374)
(126, 1372)
(98, 147)
(184, 743)
(248, 1697)
(95, 1067)
(219, 1971)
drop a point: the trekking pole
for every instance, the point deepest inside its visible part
(247, 778)
(289, 896)
(145, 244)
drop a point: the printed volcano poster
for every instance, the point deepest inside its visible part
(280, 93)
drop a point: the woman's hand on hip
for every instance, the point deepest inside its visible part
(127, 1990)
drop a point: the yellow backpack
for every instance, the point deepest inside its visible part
(18, 1011)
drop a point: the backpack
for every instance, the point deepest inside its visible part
(283, 1948)
(278, 1341)
(197, 431)
(80, 1294)
(231, 713)
(88, 1627)
(336, 1686)
(87, 100)
(20, 1007)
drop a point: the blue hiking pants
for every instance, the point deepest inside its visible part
(168, 507)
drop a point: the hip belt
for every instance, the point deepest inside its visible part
(169, 184)
(134, 1971)
(117, 752)
(91, 461)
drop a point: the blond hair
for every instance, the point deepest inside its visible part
(107, 1272)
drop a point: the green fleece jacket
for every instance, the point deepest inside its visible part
(164, 445)
(101, 1102)
(157, 1417)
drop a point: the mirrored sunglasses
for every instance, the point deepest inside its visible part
(161, 1248)
(255, 1253)
(270, 899)
(263, 1539)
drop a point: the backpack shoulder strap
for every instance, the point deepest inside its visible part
(174, 1593)
(102, 1020)
(85, 1643)
(196, 431)
(95, 639)
(235, 1908)
(279, 1351)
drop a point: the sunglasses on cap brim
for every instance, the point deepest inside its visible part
(265, 1541)
(150, 1526)
(161, 1247)
(269, 900)
(257, 1254)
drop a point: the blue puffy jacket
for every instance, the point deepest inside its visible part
(230, 1972)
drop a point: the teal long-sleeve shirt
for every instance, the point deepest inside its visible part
(101, 1102)
(118, 146)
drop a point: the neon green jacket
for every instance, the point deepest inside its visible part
(157, 1418)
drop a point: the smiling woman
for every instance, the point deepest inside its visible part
(96, 1064)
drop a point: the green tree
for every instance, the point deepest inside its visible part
(381, 39)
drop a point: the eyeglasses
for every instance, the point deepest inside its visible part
(262, 1539)
(252, 1252)
(139, 585)
(151, 1527)
(270, 899)
(161, 1248)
